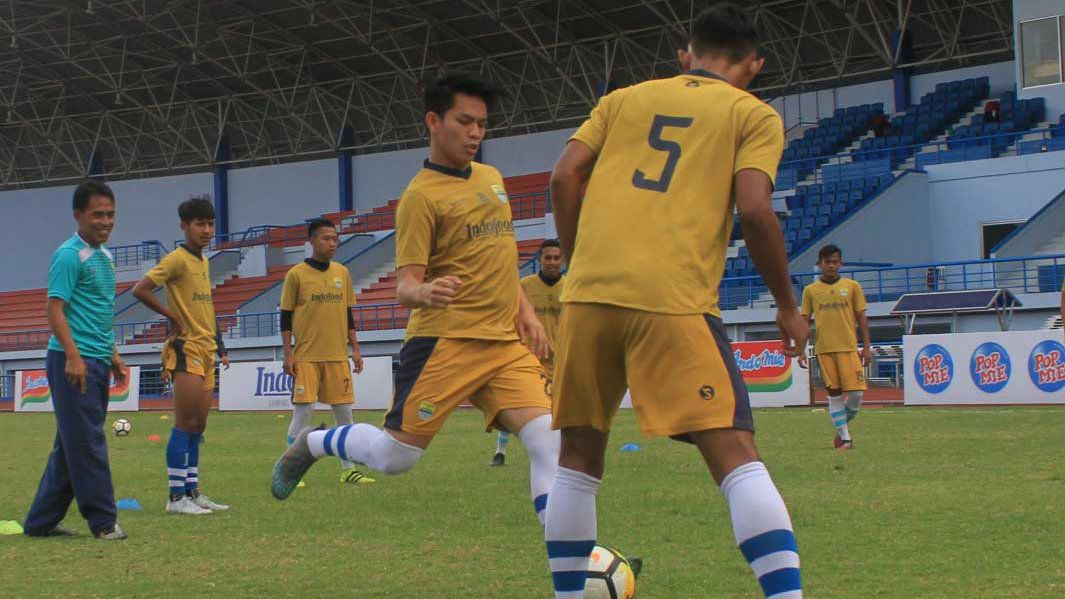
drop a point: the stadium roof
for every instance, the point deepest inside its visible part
(149, 87)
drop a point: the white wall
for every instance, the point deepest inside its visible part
(964, 195)
(147, 208)
(282, 194)
(380, 178)
(812, 106)
(525, 154)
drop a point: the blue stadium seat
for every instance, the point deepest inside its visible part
(825, 209)
(791, 235)
(822, 222)
(839, 208)
(807, 222)
(805, 235)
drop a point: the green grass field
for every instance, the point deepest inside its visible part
(934, 503)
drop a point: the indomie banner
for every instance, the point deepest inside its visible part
(773, 379)
(32, 393)
(1012, 367)
(265, 386)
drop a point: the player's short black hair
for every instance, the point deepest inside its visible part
(317, 223)
(724, 29)
(196, 208)
(84, 193)
(440, 93)
(550, 243)
(828, 250)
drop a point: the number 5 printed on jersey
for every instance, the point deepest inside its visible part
(654, 139)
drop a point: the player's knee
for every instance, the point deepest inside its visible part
(541, 442)
(391, 456)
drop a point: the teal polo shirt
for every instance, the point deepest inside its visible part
(84, 278)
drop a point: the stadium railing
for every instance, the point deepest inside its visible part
(133, 254)
(7, 387)
(936, 150)
(1034, 274)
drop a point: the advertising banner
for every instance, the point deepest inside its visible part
(32, 393)
(1011, 367)
(265, 386)
(773, 379)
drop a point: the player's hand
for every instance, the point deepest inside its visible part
(118, 369)
(357, 364)
(533, 335)
(867, 356)
(225, 361)
(803, 361)
(439, 293)
(794, 331)
(290, 365)
(75, 372)
(177, 328)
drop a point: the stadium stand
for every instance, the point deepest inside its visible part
(831, 135)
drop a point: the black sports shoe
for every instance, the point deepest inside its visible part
(293, 464)
(499, 459)
(56, 531)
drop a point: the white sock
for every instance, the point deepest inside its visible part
(543, 445)
(301, 419)
(501, 442)
(838, 414)
(365, 444)
(342, 414)
(763, 530)
(570, 530)
(853, 404)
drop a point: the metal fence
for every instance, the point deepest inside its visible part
(7, 387)
(130, 255)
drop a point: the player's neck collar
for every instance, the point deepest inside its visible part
(447, 170)
(315, 264)
(198, 254)
(828, 281)
(82, 239)
(705, 73)
(547, 281)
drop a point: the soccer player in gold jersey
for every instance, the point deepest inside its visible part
(316, 302)
(544, 290)
(669, 161)
(472, 334)
(837, 305)
(188, 354)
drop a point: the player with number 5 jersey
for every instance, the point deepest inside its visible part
(667, 163)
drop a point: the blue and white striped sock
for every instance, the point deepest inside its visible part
(177, 461)
(838, 414)
(853, 404)
(570, 530)
(763, 530)
(501, 442)
(192, 479)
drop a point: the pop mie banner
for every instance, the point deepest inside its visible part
(265, 386)
(32, 393)
(1012, 367)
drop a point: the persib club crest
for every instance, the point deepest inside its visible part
(500, 192)
(338, 282)
(843, 293)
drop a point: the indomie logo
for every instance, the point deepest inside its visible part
(1046, 366)
(766, 359)
(272, 383)
(933, 368)
(990, 367)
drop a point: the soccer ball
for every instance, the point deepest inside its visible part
(122, 427)
(609, 575)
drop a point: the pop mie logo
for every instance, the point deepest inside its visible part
(933, 368)
(1046, 366)
(990, 367)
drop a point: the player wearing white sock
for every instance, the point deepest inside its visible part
(473, 334)
(647, 246)
(837, 305)
(316, 302)
(544, 290)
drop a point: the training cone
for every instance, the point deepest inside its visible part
(128, 503)
(164, 417)
(630, 447)
(154, 437)
(280, 416)
(10, 527)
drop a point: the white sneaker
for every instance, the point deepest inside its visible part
(205, 502)
(185, 506)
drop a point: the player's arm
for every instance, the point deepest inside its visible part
(144, 291)
(413, 291)
(220, 346)
(531, 331)
(118, 366)
(415, 227)
(858, 297)
(289, 293)
(353, 341)
(62, 278)
(571, 173)
(807, 311)
(765, 241)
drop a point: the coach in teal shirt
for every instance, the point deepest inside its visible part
(80, 363)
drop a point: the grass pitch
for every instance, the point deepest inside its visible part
(934, 503)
